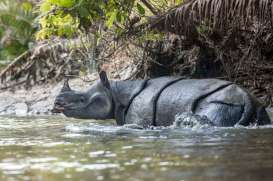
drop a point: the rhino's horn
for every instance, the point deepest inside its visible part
(104, 80)
(66, 86)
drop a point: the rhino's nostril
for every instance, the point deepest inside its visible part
(59, 102)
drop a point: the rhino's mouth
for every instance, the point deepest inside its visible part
(57, 109)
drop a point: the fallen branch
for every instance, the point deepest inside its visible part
(14, 62)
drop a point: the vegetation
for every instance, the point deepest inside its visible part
(16, 28)
(68, 17)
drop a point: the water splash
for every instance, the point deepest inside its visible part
(190, 120)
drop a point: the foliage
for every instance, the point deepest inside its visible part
(59, 24)
(65, 17)
(16, 27)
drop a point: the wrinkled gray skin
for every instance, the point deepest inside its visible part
(156, 102)
(96, 103)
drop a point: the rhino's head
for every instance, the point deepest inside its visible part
(96, 103)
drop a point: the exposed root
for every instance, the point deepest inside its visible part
(48, 61)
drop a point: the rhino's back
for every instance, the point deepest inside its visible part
(164, 97)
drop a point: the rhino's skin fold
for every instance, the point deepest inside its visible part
(156, 102)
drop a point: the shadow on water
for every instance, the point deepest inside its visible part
(57, 148)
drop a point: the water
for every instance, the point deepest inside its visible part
(58, 148)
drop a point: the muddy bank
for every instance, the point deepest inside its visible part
(36, 101)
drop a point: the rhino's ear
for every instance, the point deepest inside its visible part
(66, 86)
(104, 80)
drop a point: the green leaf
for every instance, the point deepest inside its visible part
(27, 6)
(140, 9)
(63, 3)
(45, 6)
(177, 2)
(83, 12)
(67, 3)
(112, 18)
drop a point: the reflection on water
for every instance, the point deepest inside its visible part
(57, 148)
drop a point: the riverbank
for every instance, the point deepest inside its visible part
(36, 101)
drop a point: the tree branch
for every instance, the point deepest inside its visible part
(150, 7)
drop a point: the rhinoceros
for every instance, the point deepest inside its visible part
(156, 102)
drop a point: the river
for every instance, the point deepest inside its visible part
(57, 148)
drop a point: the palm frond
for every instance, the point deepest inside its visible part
(216, 14)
